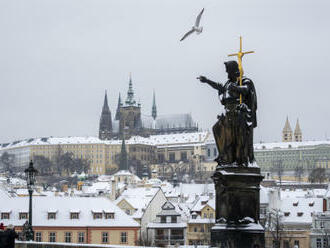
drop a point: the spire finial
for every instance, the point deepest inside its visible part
(130, 93)
(154, 107)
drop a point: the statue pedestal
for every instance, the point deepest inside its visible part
(237, 208)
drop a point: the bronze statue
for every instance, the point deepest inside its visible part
(233, 132)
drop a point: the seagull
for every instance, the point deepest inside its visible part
(195, 28)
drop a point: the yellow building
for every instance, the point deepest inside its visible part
(72, 220)
(201, 221)
(101, 154)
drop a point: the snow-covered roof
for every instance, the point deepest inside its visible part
(300, 210)
(289, 145)
(168, 121)
(202, 202)
(139, 198)
(63, 206)
(156, 140)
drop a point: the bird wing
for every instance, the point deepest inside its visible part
(187, 34)
(198, 19)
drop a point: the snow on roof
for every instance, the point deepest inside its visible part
(139, 198)
(290, 145)
(157, 140)
(167, 225)
(300, 210)
(202, 202)
(63, 206)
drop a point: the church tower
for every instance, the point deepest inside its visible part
(297, 133)
(105, 128)
(117, 117)
(130, 114)
(287, 132)
(154, 108)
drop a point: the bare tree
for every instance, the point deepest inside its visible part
(317, 175)
(8, 161)
(274, 227)
(299, 172)
(278, 168)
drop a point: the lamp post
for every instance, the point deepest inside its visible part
(30, 174)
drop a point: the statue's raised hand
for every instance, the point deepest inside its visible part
(202, 79)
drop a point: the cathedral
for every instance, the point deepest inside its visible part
(129, 121)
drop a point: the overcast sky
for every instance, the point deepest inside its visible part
(57, 57)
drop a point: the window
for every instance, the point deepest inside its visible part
(123, 237)
(74, 216)
(318, 243)
(286, 244)
(194, 216)
(205, 215)
(208, 152)
(296, 244)
(214, 152)
(202, 229)
(211, 215)
(81, 237)
(172, 157)
(5, 216)
(97, 215)
(67, 237)
(174, 219)
(38, 237)
(325, 243)
(163, 219)
(183, 156)
(109, 215)
(51, 216)
(195, 229)
(105, 237)
(23, 216)
(52, 237)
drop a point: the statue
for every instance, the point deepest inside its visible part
(237, 177)
(233, 132)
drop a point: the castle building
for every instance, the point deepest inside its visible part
(129, 120)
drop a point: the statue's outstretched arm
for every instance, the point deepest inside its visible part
(214, 85)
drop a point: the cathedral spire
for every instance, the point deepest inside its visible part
(154, 108)
(130, 93)
(297, 132)
(123, 163)
(287, 131)
(105, 128)
(117, 117)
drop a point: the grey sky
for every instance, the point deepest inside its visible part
(58, 56)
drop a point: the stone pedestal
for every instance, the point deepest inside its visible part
(237, 208)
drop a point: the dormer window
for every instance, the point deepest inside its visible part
(97, 215)
(311, 204)
(203, 202)
(109, 215)
(174, 219)
(23, 216)
(299, 214)
(163, 219)
(52, 215)
(74, 215)
(5, 215)
(286, 214)
(295, 204)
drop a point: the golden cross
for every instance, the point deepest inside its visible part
(240, 55)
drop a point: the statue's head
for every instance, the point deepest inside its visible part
(232, 69)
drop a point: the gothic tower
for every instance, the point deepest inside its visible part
(117, 117)
(123, 160)
(154, 108)
(287, 132)
(130, 114)
(105, 129)
(297, 133)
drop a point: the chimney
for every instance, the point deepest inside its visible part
(113, 190)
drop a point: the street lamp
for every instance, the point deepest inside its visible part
(30, 174)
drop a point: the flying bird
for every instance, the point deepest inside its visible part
(196, 28)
